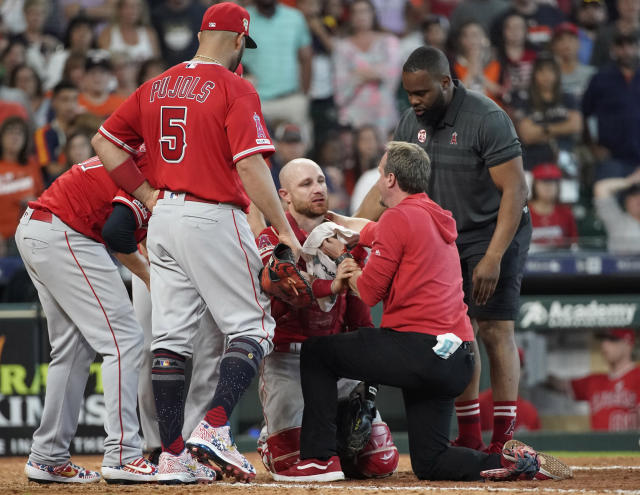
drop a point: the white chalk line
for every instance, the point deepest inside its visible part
(373, 488)
(604, 468)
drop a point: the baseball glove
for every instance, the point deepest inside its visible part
(281, 278)
(354, 422)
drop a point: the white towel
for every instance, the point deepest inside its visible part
(318, 263)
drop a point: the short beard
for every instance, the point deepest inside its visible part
(310, 211)
(432, 116)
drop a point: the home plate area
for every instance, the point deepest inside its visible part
(592, 475)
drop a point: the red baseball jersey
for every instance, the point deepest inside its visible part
(198, 120)
(527, 418)
(555, 230)
(298, 324)
(614, 400)
(83, 198)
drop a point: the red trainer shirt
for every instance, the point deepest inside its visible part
(614, 400)
(295, 324)
(197, 119)
(414, 268)
(83, 198)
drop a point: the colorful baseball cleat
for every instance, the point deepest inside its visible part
(217, 445)
(177, 469)
(551, 468)
(525, 466)
(63, 473)
(139, 470)
(312, 470)
(207, 473)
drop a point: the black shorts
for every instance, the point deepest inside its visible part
(504, 304)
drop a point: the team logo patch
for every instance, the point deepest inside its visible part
(260, 134)
(454, 138)
(164, 363)
(212, 24)
(245, 23)
(422, 135)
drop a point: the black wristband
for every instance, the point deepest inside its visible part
(342, 257)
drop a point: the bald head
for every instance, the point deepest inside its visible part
(296, 169)
(303, 189)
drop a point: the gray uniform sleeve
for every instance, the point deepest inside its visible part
(497, 139)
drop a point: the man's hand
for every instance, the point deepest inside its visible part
(351, 223)
(332, 247)
(292, 242)
(485, 278)
(346, 269)
(150, 197)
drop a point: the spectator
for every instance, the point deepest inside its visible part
(590, 16)
(548, 121)
(527, 418)
(541, 19)
(25, 78)
(50, 140)
(95, 10)
(79, 39)
(612, 109)
(177, 23)
(392, 15)
(484, 12)
(433, 31)
(614, 397)
(150, 68)
(289, 141)
(367, 72)
(284, 42)
(627, 24)
(96, 96)
(78, 148)
(617, 203)
(131, 33)
(369, 150)
(323, 31)
(20, 179)
(125, 70)
(473, 61)
(40, 46)
(516, 58)
(74, 69)
(554, 225)
(14, 54)
(575, 75)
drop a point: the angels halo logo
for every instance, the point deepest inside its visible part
(422, 135)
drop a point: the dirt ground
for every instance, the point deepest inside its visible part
(592, 475)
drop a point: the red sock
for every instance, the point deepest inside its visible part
(216, 417)
(176, 447)
(504, 421)
(469, 430)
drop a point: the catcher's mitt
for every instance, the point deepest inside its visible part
(281, 278)
(354, 422)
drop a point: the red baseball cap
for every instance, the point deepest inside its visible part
(228, 16)
(546, 171)
(565, 27)
(619, 334)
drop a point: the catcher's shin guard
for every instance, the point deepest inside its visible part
(281, 450)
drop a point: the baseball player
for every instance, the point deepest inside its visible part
(61, 239)
(304, 191)
(203, 126)
(205, 371)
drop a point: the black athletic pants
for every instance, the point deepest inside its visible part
(400, 359)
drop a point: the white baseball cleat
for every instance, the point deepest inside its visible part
(63, 473)
(139, 470)
(217, 445)
(177, 469)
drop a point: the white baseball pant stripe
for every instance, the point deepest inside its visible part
(204, 254)
(205, 370)
(88, 310)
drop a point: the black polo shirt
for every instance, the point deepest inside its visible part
(474, 135)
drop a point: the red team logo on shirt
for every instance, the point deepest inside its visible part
(422, 135)
(261, 137)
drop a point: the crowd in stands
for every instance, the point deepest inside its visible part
(328, 73)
